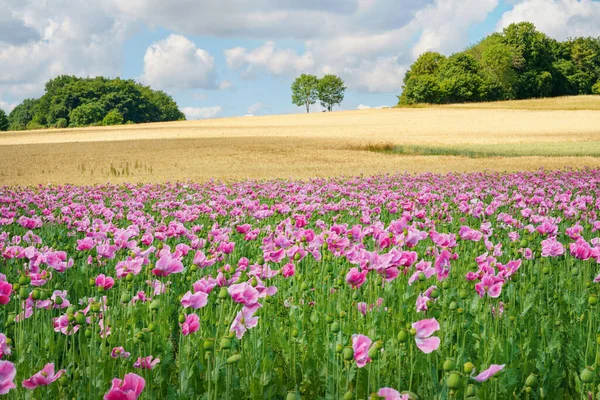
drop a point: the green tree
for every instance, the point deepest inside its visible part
(22, 114)
(459, 80)
(87, 114)
(420, 81)
(330, 91)
(596, 88)
(3, 121)
(304, 91)
(113, 117)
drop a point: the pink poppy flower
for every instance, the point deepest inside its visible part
(195, 301)
(119, 352)
(129, 388)
(245, 320)
(466, 233)
(104, 282)
(488, 373)
(597, 279)
(43, 378)
(361, 345)
(167, 265)
(391, 394)
(288, 270)
(85, 244)
(243, 293)
(5, 292)
(552, 248)
(356, 278)
(7, 376)
(362, 307)
(424, 329)
(4, 347)
(581, 249)
(442, 265)
(146, 362)
(191, 324)
(491, 285)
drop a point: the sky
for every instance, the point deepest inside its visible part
(224, 58)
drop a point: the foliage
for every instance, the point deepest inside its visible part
(86, 101)
(3, 121)
(113, 117)
(519, 63)
(596, 88)
(304, 91)
(330, 91)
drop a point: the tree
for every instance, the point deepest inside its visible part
(3, 121)
(596, 88)
(87, 114)
(330, 91)
(304, 91)
(113, 117)
(22, 114)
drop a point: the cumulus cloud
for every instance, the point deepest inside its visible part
(257, 108)
(559, 19)
(202, 112)
(278, 62)
(175, 63)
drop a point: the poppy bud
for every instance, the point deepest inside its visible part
(23, 292)
(413, 332)
(181, 318)
(373, 353)
(434, 294)
(293, 395)
(402, 336)
(295, 332)
(63, 381)
(348, 353)
(88, 333)
(35, 294)
(70, 317)
(349, 395)
(587, 375)
(125, 297)
(44, 294)
(80, 318)
(468, 367)
(225, 344)
(524, 243)
(471, 391)
(335, 327)
(223, 294)
(460, 310)
(339, 348)
(422, 277)
(355, 296)
(209, 344)
(574, 271)
(129, 277)
(94, 307)
(342, 314)
(154, 305)
(531, 380)
(234, 359)
(449, 365)
(329, 318)
(304, 286)
(453, 306)
(545, 270)
(24, 280)
(593, 300)
(314, 317)
(260, 261)
(463, 294)
(454, 381)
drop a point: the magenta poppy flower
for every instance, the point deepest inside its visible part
(552, 248)
(356, 278)
(488, 373)
(5, 292)
(4, 347)
(43, 378)
(244, 293)
(466, 233)
(491, 285)
(597, 279)
(245, 320)
(167, 265)
(119, 352)
(425, 328)
(191, 324)
(361, 345)
(581, 249)
(442, 265)
(129, 388)
(288, 270)
(7, 376)
(104, 282)
(85, 244)
(146, 362)
(391, 394)
(195, 301)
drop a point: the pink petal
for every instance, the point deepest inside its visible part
(428, 345)
(488, 373)
(426, 327)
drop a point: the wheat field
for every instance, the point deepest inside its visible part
(305, 146)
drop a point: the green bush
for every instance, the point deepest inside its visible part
(61, 123)
(3, 121)
(113, 117)
(33, 125)
(596, 87)
(87, 114)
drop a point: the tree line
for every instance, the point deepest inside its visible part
(518, 63)
(69, 101)
(307, 89)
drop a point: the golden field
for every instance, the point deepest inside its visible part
(306, 146)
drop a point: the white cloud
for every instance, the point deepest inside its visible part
(199, 96)
(257, 108)
(175, 63)
(226, 85)
(362, 107)
(559, 19)
(6, 106)
(284, 62)
(202, 112)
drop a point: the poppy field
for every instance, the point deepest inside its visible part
(457, 286)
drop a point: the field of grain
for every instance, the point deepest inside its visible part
(306, 146)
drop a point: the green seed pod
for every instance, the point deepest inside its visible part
(434, 294)
(453, 306)
(125, 298)
(545, 270)
(181, 318)
(342, 314)
(80, 318)
(88, 333)
(588, 284)
(92, 282)
(373, 353)
(44, 295)
(349, 395)
(129, 277)
(454, 381)
(63, 381)
(293, 395)
(94, 307)
(436, 312)
(471, 391)
(225, 344)
(335, 327)
(422, 277)
(446, 285)
(531, 380)
(402, 336)
(449, 365)
(70, 317)
(304, 286)
(355, 296)
(587, 375)
(512, 318)
(314, 317)
(468, 367)
(379, 345)
(260, 261)
(223, 294)
(35, 295)
(348, 353)
(24, 280)
(59, 300)
(463, 294)
(24, 292)
(154, 305)
(151, 327)
(593, 300)
(460, 310)
(412, 331)
(234, 359)
(524, 243)
(208, 344)
(329, 318)
(339, 348)
(295, 332)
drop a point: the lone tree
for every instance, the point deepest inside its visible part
(3, 120)
(304, 91)
(330, 91)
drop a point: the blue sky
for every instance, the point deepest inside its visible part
(233, 58)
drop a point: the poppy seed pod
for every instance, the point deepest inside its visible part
(402, 336)
(335, 327)
(454, 381)
(348, 353)
(531, 380)
(468, 367)
(587, 375)
(449, 365)
(234, 359)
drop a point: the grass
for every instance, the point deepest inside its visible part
(434, 139)
(567, 149)
(589, 102)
